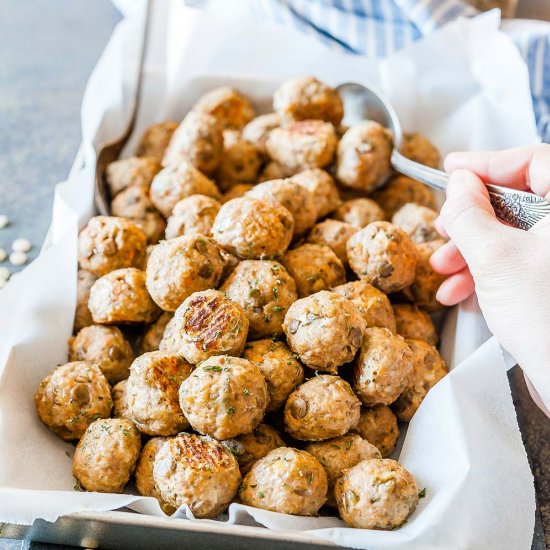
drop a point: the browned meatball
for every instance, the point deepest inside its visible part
(359, 212)
(419, 148)
(321, 185)
(308, 98)
(378, 425)
(72, 396)
(253, 229)
(145, 483)
(363, 159)
(314, 267)
(236, 191)
(195, 214)
(206, 324)
(121, 297)
(278, 365)
(180, 266)
(304, 144)
(428, 369)
(383, 367)
(374, 305)
(134, 203)
(321, 408)
(120, 400)
(249, 448)
(334, 234)
(274, 171)
(82, 316)
(401, 190)
(417, 221)
(265, 291)
(131, 171)
(155, 139)
(258, 129)
(109, 243)
(106, 347)
(325, 330)
(232, 109)
(224, 397)
(150, 339)
(383, 255)
(198, 140)
(177, 182)
(413, 322)
(106, 455)
(240, 162)
(427, 281)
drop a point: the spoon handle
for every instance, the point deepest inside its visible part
(517, 208)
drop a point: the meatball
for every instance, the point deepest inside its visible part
(288, 481)
(363, 158)
(145, 483)
(383, 255)
(420, 149)
(134, 203)
(152, 392)
(177, 182)
(413, 322)
(106, 347)
(150, 339)
(72, 396)
(305, 98)
(231, 109)
(383, 367)
(136, 171)
(180, 266)
(195, 214)
(378, 425)
(82, 316)
(279, 366)
(428, 369)
(197, 140)
(155, 140)
(236, 191)
(374, 305)
(334, 234)
(252, 229)
(359, 212)
(265, 291)
(321, 408)
(106, 456)
(340, 453)
(224, 397)
(240, 162)
(108, 243)
(121, 297)
(301, 145)
(206, 324)
(417, 221)
(249, 448)
(258, 129)
(196, 471)
(295, 198)
(325, 330)
(321, 185)
(120, 400)
(274, 171)
(427, 281)
(401, 190)
(376, 494)
(314, 267)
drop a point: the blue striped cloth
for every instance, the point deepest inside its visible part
(380, 27)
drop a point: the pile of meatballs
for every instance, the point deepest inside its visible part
(278, 274)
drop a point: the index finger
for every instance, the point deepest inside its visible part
(523, 168)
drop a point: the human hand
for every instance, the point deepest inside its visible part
(508, 268)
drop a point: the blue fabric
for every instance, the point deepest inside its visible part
(380, 27)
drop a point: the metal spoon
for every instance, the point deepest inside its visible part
(517, 208)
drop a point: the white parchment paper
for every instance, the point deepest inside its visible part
(465, 87)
